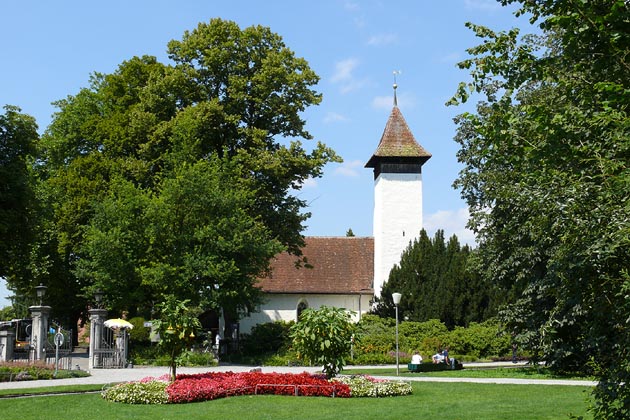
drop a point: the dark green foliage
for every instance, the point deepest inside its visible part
(477, 341)
(438, 280)
(178, 326)
(11, 372)
(264, 339)
(377, 340)
(7, 313)
(546, 178)
(427, 337)
(18, 138)
(194, 238)
(147, 354)
(196, 358)
(139, 333)
(176, 179)
(324, 337)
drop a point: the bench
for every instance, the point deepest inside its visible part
(434, 367)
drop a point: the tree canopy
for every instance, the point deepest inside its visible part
(178, 179)
(18, 137)
(547, 180)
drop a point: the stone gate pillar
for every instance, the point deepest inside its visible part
(7, 343)
(39, 332)
(97, 318)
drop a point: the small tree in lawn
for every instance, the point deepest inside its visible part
(324, 337)
(177, 326)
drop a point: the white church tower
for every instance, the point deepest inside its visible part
(397, 164)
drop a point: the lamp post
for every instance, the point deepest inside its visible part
(39, 324)
(41, 292)
(97, 318)
(98, 298)
(396, 298)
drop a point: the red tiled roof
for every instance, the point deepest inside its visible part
(341, 265)
(398, 141)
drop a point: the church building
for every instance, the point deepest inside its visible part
(348, 272)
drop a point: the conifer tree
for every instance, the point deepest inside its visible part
(438, 281)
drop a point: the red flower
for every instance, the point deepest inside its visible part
(212, 385)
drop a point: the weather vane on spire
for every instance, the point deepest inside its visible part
(396, 72)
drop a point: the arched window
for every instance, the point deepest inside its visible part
(300, 308)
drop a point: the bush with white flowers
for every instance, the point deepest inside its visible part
(366, 386)
(148, 391)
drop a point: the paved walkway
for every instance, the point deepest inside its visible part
(108, 376)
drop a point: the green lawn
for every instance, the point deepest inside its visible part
(429, 401)
(58, 389)
(516, 372)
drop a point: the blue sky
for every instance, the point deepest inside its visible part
(51, 48)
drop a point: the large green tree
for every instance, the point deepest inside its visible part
(547, 180)
(18, 204)
(193, 238)
(18, 137)
(178, 178)
(438, 280)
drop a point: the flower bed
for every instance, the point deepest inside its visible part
(366, 386)
(213, 385)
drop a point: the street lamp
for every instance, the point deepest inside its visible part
(98, 297)
(41, 292)
(396, 297)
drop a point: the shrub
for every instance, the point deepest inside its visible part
(378, 339)
(425, 337)
(478, 341)
(66, 374)
(147, 354)
(373, 359)
(20, 371)
(324, 337)
(196, 358)
(139, 333)
(380, 343)
(286, 359)
(271, 337)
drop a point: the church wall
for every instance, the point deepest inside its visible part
(283, 307)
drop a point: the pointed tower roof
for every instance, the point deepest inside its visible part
(398, 142)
